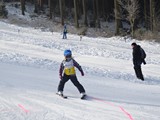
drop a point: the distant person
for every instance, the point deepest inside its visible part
(80, 37)
(65, 32)
(139, 56)
(67, 71)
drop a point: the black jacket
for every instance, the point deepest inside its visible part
(137, 59)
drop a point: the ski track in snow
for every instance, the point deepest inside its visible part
(34, 49)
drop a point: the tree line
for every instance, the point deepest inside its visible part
(91, 13)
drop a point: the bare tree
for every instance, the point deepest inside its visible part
(132, 8)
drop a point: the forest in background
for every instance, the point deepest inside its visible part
(142, 16)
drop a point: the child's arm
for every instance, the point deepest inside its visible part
(61, 70)
(78, 66)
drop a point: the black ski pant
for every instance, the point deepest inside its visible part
(138, 72)
(64, 35)
(73, 79)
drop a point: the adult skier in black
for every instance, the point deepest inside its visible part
(67, 71)
(138, 58)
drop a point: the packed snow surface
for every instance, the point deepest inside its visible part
(29, 76)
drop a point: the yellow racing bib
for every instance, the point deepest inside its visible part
(69, 71)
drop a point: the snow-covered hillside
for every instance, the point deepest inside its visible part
(29, 62)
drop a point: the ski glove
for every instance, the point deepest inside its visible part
(82, 73)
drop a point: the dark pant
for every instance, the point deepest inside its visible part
(64, 35)
(73, 79)
(138, 72)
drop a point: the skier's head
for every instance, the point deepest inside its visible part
(67, 53)
(133, 44)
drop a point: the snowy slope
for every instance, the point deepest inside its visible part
(30, 60)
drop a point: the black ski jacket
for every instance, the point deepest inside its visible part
(137, 59)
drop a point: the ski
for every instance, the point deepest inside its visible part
(65, 97)
(83, 97)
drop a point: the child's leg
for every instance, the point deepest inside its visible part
(62, 83)
(77, 84)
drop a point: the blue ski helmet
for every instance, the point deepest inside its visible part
(67, 53)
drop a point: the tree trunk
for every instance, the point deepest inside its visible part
(103, 10)
(94, 13)
(41, 4)
(50, 9)
(84, 12)
(97, 13)
(61, 11)
(145, 14)
(35, 6)
(152, 15)
(75, 14)
(116, 17)
(23, 6)
(79, 8)
(132, 27)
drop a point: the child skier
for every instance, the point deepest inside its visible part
(67, 71)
